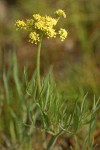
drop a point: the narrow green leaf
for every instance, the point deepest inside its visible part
(15, 75)
(83, 101)
(7, 88)
(76, 119)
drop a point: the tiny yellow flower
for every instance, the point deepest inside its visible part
(60, 12)
(20, 24)
(34, 37)
(63, 34)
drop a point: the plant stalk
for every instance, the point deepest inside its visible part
(38, 66)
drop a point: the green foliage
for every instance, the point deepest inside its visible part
(13, 108)
(50, 111)
(57, 115)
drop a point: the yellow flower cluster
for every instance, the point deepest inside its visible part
(20, 24)
(34, 38)
(37, 17)
(60, 13)
(45, 25)
(42, 26)
(63, 34)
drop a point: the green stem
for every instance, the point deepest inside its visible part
(3, 60)
(38, 66)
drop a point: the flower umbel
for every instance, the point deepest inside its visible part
(33, 37)
(46, 25)
(60, 13)
(63, 34)
(37, 17)
(20, 24)
(39, 26)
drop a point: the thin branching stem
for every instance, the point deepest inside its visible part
(53, 140)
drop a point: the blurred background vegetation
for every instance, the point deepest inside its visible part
(76, 61)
